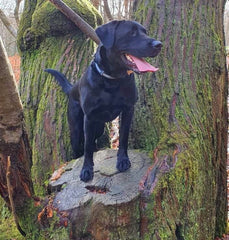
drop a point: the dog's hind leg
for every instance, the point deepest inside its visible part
(75, 122)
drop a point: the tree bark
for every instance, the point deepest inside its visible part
(16, 186)
(181, 116)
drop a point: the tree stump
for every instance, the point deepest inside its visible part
(108, 207)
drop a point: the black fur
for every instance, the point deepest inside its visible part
(96, 99)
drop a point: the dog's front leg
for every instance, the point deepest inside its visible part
(123, 162)
(89, 146)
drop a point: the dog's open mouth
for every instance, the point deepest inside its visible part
(138, 65)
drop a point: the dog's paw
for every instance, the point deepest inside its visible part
(86, 174)
(123, 164)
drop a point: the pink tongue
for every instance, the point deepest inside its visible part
(142, 65)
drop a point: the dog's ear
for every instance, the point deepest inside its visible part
(106, 33)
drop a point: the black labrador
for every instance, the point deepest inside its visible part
(107, 89)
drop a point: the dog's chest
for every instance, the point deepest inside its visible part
(111, 99)
(107, 104)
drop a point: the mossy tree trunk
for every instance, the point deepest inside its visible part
(47, 39)
(182, 115)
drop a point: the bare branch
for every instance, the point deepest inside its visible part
(7, 24)
(107, 10)
(16, 11)
(74, 17)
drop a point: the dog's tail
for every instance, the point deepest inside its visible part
(61, 79)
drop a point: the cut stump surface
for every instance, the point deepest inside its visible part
(108, 186)
(109, 206)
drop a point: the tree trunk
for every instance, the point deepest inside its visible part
(16, 186)
(47, 39)
(105, 208)
(182, 112)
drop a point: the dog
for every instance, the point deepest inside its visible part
(107, 89)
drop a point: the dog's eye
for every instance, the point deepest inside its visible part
(133, 33)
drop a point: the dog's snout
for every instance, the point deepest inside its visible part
(157, 44)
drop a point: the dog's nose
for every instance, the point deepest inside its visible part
(157, 44)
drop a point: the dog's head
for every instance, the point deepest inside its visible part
(127, 43)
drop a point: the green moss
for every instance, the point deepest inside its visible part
(7, 225)
(54, 231)
(25, 22)
(46, 20)
(27, 221)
